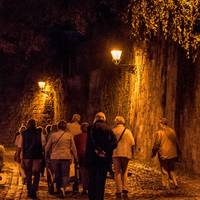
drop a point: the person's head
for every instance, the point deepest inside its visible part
(163, 121)
(48, 129)
(100, 116)
(76, 118)
(22, 129)
(84, 127)
(54, 128)
(119, 120)
(62, 125)
(31, 123)
(39, 128)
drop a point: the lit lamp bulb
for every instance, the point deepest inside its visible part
(116, 56)
(41, 84)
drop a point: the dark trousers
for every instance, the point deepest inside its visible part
(61, 169)
(32, 168)
(97, 180)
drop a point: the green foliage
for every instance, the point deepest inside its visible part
(175, 20)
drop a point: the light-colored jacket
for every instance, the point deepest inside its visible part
(74, 128)
(64, 149)
(166, 143)
(125, 145)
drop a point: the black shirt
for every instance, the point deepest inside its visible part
(100, 136)
(32, 144)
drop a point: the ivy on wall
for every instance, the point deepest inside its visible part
(174, 20)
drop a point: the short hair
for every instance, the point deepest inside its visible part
(62, 125)
(31, 123)
(22, 129)
(54, 128)
(163, 120)
(119, 120)
(100, 116)
(40, 129)
(48, 129)
(76, 118)
(84, 126)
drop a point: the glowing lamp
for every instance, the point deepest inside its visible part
(116, 56)
(41, 84)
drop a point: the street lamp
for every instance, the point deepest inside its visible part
(44, 88)
(116, 58)
(41, 84)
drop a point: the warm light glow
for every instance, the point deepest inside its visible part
(41, 84)
(116, 55)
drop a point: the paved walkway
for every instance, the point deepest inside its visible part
(144, 183)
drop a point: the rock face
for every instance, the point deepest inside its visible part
(29, 101)
(163, 84)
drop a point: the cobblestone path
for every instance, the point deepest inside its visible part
(144, 183)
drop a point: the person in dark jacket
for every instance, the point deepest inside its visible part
(100, 144)
(31, 143)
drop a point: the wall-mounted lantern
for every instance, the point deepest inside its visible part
(41, 84)
(116, 58)
(44, 88)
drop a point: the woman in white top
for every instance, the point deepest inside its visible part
(122, 154)
(63, 150)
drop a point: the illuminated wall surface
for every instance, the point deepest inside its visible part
(162, 85)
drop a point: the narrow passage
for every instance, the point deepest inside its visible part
(144, 183)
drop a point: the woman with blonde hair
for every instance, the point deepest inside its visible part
(122, 154)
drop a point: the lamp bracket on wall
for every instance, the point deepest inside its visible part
(116, 58)
(127, 67)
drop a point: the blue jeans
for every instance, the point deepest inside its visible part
(61, 169)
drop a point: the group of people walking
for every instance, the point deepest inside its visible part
(93, 147)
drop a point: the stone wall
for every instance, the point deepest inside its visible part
(144, 96)
(45, 106)
(187, 113)
(164, 84)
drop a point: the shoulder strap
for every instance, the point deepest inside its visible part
(121, 135)
(58, 139)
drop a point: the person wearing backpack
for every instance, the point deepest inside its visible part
(122, 154)
(63, 150)
(99, 148)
